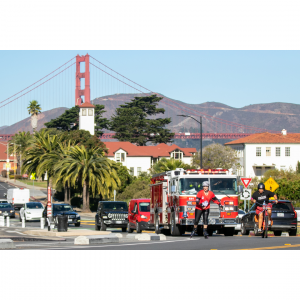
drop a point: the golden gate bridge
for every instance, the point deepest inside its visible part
(93, 80)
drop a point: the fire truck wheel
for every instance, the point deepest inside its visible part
(129, 230)
(243, 229)
(138, 228)
(210, 232)
(157, 230)
(175, 230)
(229, 231)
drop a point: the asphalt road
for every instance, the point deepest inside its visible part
(216, 242)
(3, 189)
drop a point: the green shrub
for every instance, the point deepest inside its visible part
(136, 190)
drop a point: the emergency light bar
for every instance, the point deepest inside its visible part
(207, 171)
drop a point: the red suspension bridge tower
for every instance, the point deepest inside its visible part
(86, 75)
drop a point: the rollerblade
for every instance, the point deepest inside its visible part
(205, 234)
(193, 232)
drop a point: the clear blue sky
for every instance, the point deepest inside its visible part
(235, 78)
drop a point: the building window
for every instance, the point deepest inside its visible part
(120, 157)
(258, 151)
(139, 171)
(84, 112)
(268, 151)
(287, 151)
(90, 112)
(258, 171)
(177, 154)
(131, 171)
(277, 151)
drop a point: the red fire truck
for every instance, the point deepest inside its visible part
(173, 200)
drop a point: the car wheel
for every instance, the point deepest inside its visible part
(97, 227)
(210, 232)
(277, 233)
(103, 226)
(138, 228)
(77, 224)
(129, 230)
(243, 229)
(256, 233)
(293, 232)
(236, 232)
(124, 229)
(174, 227)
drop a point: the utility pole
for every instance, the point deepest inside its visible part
(7, 163)
(15, 162)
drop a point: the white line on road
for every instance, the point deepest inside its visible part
(119, 245)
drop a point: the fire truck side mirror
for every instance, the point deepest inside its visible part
(173, 188)
(240, 189)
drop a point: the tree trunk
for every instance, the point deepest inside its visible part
(88, 197)
(66, 188)
(69, 194)
(84, 197)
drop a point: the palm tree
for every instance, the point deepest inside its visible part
(165, 164)
(36, 157)
(19, 143)
(90, 168)
(34, 109)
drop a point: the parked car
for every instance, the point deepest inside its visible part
(6, 209)
(111, 214)
(297, 209)
(31, 211)
(139, 215)
(283, 215)
(64, 209)
(239, 217)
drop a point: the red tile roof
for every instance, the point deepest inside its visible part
(87, 105)
(268, 138)
(160, 150)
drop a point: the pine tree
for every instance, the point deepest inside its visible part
(132, 123)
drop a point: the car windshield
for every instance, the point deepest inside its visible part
(5, 205)
(190, 186)
(59, 208)
(34, 205)
(144, 206)
(224, 186)
(282, 206)
(241, 212)
(115, 206)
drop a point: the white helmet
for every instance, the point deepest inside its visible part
(205, 183)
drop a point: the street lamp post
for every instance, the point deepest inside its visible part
(200, 122)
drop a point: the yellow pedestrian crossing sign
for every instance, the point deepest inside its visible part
(271, 185)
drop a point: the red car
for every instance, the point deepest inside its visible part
(139, 215)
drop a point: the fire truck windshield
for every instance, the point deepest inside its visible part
(190, 186)
(223, 186)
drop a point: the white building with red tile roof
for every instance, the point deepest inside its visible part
(141, 158)
(261, 152)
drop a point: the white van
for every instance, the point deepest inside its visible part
(18, 197)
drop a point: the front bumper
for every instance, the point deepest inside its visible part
(211, 221)
(115, 223)
(11, 215)
(146, 225)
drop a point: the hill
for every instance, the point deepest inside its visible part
(271, 116)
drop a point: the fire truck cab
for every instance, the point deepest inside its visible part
(173, 200)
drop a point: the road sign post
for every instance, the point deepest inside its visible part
(49, 207)
(246, 196)
(115, 193)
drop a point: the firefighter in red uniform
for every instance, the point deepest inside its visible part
(203, 199)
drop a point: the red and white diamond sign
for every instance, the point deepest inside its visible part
(246, 181)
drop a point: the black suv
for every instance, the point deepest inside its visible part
(283, 215)
(111, 214)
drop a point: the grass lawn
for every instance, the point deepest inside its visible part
(36, 183)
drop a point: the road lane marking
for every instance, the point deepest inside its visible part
(274, 247)
(120, 245)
